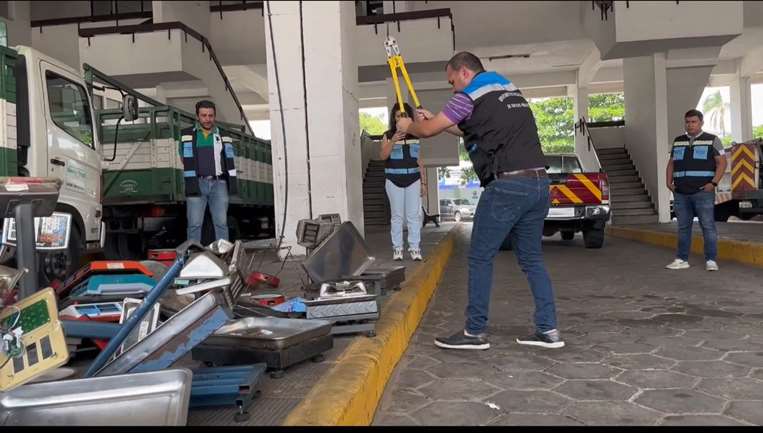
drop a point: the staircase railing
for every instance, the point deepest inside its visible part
(169, 26)
(582, 127)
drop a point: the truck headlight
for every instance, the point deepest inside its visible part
(596, 211)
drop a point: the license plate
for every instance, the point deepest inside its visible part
(745, 204)
(561, 212)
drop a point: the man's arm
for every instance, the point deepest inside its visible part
(669, 175)
(426, 128)
(720, 167)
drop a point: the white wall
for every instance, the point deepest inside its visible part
(239, 37)
(646, 124)
(19, 32)
(648, 20)
(442, 149)
(60, 42)
(608, 137)
(685, 86)
(194, 14)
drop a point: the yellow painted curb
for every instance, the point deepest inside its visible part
(350, 392)
(748, 253)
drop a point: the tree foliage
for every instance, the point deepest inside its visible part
(371, 124)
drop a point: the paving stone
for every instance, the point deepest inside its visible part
(458, 389)
(734, 389)
(573, 355)
(421, 362)
(595, 390)
(476, 370)
(626, 348)
(716, 334)
(410, 378)
(529, 401)
(700, 420)
(404, 400)
(680, 401)
(513, 361)
(733, 345)
(455, 413)
(528, 380)
(583, 371)
(753, 359)
(611, 413)
(757, 373)
(656, 379)
(667, 341)
(711, 369)
(535, 420)
(639, 362)
(689, 353)
(388, 419)
(749, 411)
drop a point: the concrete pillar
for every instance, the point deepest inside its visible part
(741, 108)
(333, 183)
(580, 104)
(646, 125)
(685, 86)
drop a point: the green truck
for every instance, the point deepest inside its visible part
(122, 180)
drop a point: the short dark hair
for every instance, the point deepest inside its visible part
(467, 59)
(205, 104)
(693, 113)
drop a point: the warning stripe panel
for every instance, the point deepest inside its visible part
(744, 159)
(579, 189)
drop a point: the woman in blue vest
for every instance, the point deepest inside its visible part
(402, 170)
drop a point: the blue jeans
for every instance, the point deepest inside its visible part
(214, 192)
(405, 204)
(515, 206)
(702, 205)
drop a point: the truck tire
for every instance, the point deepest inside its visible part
(723, 211)
(506, 245)
(593, 237)
(568, 236)
(59, 265)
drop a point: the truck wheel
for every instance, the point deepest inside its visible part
(722, 212)
(568, 236)
(593, 238)
(60, 264)
(506, 245)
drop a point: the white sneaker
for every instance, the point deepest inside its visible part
(678, 264)
(397, 254)
(415, 254)
(710, 265)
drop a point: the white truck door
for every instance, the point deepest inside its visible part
(73, 156)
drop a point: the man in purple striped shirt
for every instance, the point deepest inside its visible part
(500, 134)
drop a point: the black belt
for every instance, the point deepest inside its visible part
(528, 172)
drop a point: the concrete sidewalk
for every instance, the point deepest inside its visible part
(645, 346)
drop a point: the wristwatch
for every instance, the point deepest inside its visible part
(714, 184)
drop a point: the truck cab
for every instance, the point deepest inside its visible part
(49, 131)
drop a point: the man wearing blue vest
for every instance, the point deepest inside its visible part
(695, 167)
(501, 137)
(209, 172)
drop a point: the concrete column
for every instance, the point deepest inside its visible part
(741, 108)
(580, 103)
(333, 183)
(646, 129)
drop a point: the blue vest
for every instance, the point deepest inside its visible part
(402, 167)
(693, 162)
(500, 135)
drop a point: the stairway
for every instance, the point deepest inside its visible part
(630, 202)
(375, 202)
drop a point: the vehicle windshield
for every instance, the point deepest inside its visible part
(557, 164)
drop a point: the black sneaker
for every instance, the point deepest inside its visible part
(549, 339)
(460, 340)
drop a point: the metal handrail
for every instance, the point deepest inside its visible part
(582, 126)
(169, 26)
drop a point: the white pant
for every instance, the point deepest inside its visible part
(405, 203)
